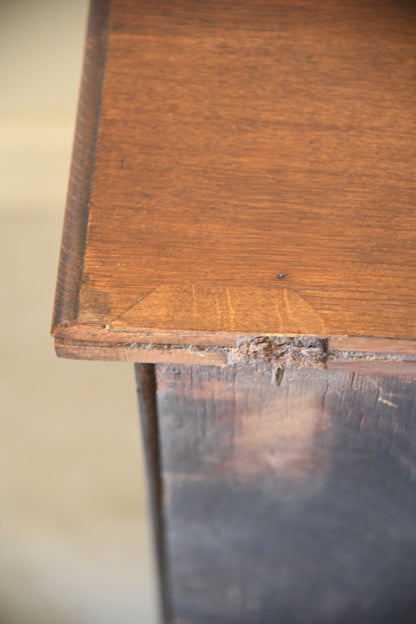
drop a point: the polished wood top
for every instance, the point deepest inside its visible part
(242, 168)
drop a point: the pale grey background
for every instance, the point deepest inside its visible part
(74, 534)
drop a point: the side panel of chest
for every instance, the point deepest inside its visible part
(288, 500)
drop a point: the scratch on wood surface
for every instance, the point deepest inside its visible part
(276, 300)
(286, 301)
(125, 311)
(230, 308)
(386, 402)
(194, 310)
(217, 306)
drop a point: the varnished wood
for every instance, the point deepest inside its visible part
(242, 195)
(246, 169)
(288, 503)
(74, 234)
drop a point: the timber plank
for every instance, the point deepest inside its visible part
(290, 502)
(249, 170)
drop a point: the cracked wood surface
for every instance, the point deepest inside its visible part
(242, 168)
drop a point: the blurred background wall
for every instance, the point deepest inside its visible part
(74, 534)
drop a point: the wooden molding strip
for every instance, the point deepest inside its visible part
(82, 167)
(383, 359)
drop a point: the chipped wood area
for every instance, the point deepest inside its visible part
(269, 354)
(279, 352)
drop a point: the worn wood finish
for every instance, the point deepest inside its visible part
(242, 194)
(252, 173)
(288, 503)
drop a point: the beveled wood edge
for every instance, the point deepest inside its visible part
(384, 355)
(95, 341)
(82, 167)
(97, 334)
(140, 354)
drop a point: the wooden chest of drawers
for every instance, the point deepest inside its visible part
(241, 225)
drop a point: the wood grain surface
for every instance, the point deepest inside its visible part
(291, 502)
(246, 169)
(70, 273)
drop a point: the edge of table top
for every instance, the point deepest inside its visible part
(82, 166)
(98, 341)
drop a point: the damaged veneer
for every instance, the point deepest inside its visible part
(264, 354)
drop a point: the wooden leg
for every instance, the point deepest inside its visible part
(282, 500)
(146, 390)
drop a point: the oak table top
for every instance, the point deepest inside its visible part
(241, 169)
(242, 192)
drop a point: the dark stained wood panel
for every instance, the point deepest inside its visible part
(287, 503)
(252, 173)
